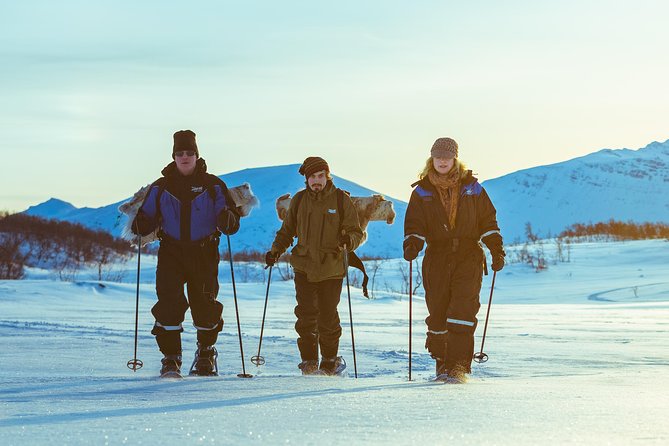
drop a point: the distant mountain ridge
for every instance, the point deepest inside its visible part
(627, 185)
(621, 184)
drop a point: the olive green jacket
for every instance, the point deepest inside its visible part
(315, 224)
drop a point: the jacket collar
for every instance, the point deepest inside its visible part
(171, 169)
(326, 192)
(425, 182)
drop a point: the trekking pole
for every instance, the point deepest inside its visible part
(257, 359)
(480, 356)
(350, 313)
(239, 327)
(410, 312)
(135, 364)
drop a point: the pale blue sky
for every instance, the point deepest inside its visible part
(93, 90)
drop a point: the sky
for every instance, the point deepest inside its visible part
(93, 91)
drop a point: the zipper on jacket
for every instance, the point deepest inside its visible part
(320, 240)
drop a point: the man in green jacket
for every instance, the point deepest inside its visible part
(318, 261)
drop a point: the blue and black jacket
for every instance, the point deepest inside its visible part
(476, 219)
(186, 208)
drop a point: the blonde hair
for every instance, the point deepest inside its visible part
(429, 166)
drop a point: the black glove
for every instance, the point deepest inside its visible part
(345, 240)
(142, 224)
(412, 247)
(497, 261)
(410, 252)
(270, 258)
(228, 222)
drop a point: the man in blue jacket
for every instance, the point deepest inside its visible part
(191, 208)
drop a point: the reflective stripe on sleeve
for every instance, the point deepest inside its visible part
(417, 236)
(490, 233)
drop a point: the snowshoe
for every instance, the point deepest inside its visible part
(332, 366)
(205, 362)
(171, 367)
(309, 367)
(454, 376)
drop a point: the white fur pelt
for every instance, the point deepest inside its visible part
(241, 195)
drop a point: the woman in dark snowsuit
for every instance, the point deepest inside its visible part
(451, 212)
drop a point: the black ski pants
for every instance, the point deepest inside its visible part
(196, 266)
(452, 282)
(318, 321)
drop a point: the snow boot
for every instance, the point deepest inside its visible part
(171, 366)
(205, 362)
(332, 366)
(308, 367)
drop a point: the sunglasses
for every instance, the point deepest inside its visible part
(185, 153)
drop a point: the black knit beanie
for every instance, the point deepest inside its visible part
(185, 140)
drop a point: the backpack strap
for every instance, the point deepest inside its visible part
(298, 199)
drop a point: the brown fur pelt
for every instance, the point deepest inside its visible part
(242, 196)
(374, 208)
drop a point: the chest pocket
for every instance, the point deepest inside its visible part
(329, 229)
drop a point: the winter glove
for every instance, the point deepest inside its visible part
(410, 253)
(142, 224)
(228, 222)
(270, 258)
(345, 240)
(412, 247)
(497, 261)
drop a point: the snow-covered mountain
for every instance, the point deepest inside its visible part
(257, 230)
(620, 184)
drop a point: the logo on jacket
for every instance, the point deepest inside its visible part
(332, 211)
(469, 190)
(196, 189)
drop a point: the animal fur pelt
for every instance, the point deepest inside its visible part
(242, 196)
(374, 208)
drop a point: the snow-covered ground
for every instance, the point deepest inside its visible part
(578, 354)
